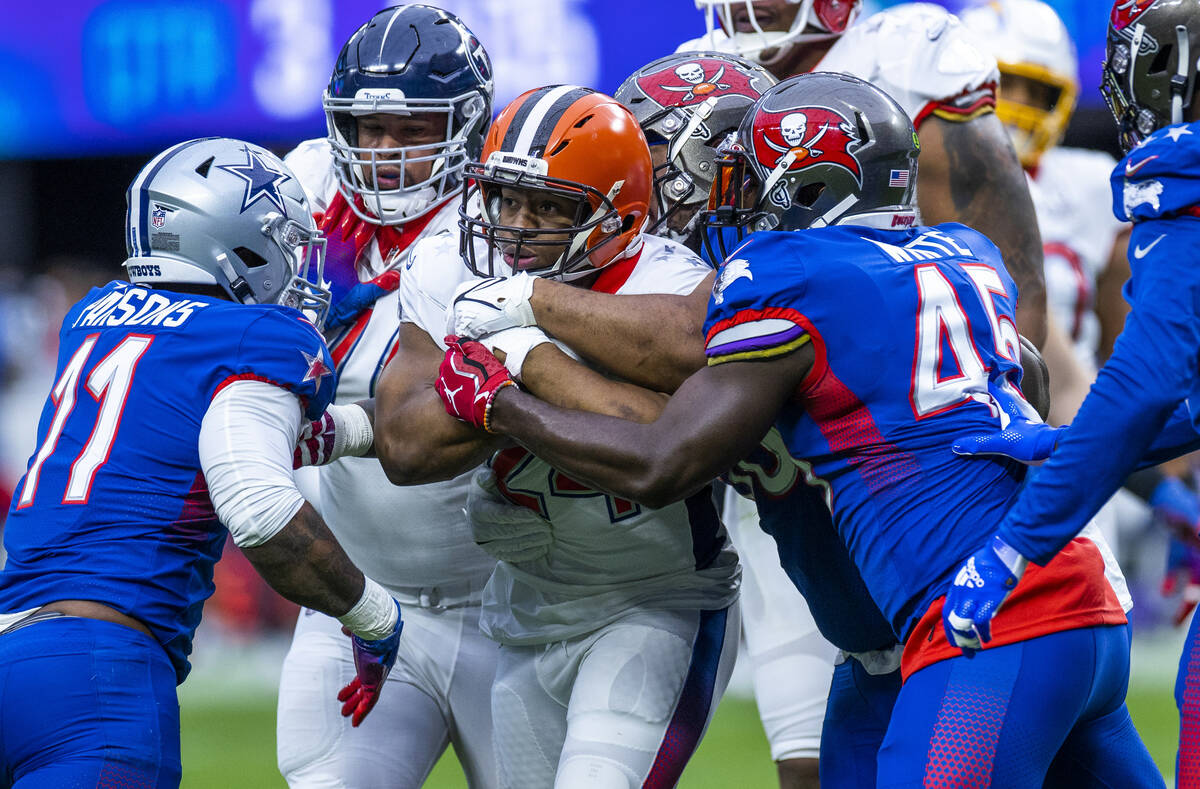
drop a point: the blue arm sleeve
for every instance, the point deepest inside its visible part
(1152, 369)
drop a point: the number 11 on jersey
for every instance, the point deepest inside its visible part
(108, 382)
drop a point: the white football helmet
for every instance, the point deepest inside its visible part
(816, 20)
(1030, 41)
(227, 213)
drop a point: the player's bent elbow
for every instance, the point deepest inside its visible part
(407, 461)
(401, 463)
(662, 481)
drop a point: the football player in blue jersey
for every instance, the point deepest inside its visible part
(868, 343)
(1140, 408)
(173, 420)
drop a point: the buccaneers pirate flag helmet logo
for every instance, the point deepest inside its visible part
(814, 135)
(694, 81)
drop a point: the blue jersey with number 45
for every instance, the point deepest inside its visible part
(907, 326)
(113, 506)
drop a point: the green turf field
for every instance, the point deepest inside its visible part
(231, 743)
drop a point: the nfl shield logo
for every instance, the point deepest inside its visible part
(158, 217)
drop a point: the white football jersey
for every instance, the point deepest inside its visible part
(1074, 209)
(403, 537)
(608, 555)
(918, 53)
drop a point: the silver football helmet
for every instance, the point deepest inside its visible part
(228, 213)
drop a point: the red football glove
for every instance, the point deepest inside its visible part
(373, 661)
(468, 380)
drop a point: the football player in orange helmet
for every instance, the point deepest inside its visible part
(617, 623)
(564, 186)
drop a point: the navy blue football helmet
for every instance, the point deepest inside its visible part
(408, 59)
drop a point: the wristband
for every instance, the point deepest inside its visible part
(353, 433)
(374, 615)
(487, 408)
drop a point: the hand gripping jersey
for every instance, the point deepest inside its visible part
(431, 545)
(1070, 193)
(1154, 362)
(609, 555)
(917, 53)
(114, 507)
(907, 327)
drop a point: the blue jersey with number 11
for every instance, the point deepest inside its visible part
(113, 506)
(907, 327)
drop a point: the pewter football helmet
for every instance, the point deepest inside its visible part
(224, 212)
(817, 149)
(689, 102)
(1152, 59)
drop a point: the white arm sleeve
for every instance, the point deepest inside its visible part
(247, 440)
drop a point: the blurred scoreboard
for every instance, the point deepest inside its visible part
(93, 77)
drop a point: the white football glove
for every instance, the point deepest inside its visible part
(507, 531)
(517, 343)
(483, 307)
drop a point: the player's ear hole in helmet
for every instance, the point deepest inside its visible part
(406, 108)
(815, 150)
(577, 150)
(228, 217)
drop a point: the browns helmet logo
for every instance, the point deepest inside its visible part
(694, 81)
(816, 135)
(1126, 11)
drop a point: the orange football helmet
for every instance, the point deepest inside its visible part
(573, 142)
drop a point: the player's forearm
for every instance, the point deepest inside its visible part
(305, 564)
(417, 442)
(968, 171)
(655, 341)
(629, 460)
(559, 380)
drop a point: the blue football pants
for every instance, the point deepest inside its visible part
(856, 720)
(85, 704)
(1187, 699)
(1049, 711)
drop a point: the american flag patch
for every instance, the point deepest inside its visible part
(898, 178)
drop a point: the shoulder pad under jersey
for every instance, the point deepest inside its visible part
(280, 346)
(923, 57)
(312, 162)
(427, 281)
(1159, 177)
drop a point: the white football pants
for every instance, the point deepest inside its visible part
(437, 694)
(611, 709)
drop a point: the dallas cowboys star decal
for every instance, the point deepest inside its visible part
(317, 369)
(261, 180)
